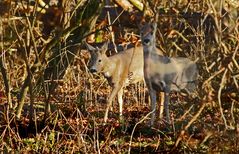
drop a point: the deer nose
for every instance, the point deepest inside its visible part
(93, 70)
(146, 41)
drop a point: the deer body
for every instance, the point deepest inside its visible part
(164, 74)
(120, 70)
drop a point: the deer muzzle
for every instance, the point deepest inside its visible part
(93, 70)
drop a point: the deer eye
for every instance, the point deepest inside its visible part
(99, 60)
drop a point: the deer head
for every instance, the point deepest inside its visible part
(148, 33)
(98, 58)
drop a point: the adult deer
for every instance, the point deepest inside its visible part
(120, 69)
(164, 74)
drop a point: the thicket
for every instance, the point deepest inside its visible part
(50, 103)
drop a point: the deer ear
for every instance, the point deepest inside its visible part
(90, 47)
(154, 26)
(141, 24)
(104, 47)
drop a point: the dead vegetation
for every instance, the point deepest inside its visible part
(50, 103)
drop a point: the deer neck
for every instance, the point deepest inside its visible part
(108, 68)
(150, 50)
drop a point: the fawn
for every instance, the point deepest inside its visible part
(120, 69)
(164, 74)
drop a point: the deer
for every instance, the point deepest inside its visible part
(120, 70)
(164, 74)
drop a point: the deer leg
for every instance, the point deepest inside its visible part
(166, 105)
(120, 101)
(114, 92)
(161, 105)
(152, 94)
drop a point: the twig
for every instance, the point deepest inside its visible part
(131, 137)
(6, 82)
(235, 81)
(107, 139)
(222, 84)
(30, 84)
(194, 118)
(96, 138)
(232, 114)
(234, 57)
(187, 112)
(111, 29)
(211, 77)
